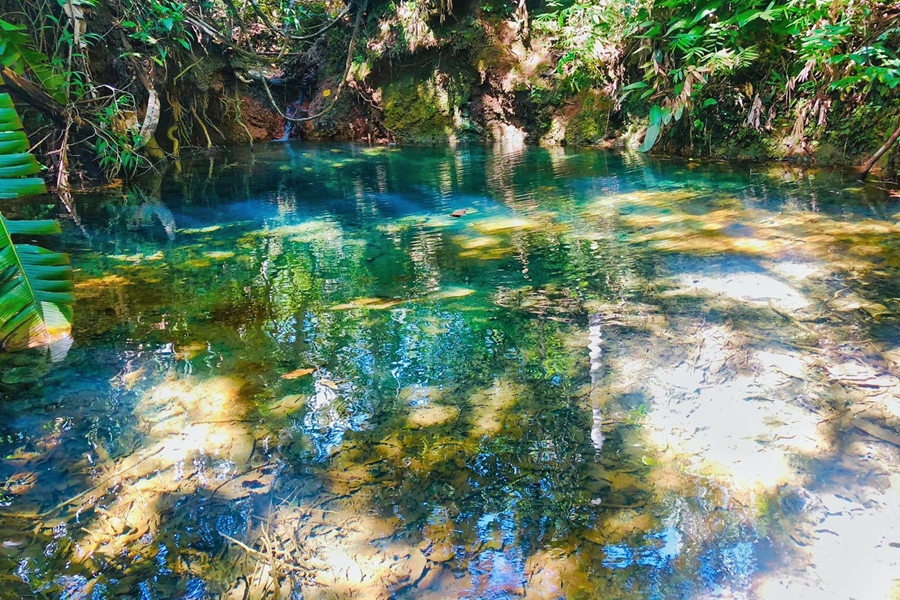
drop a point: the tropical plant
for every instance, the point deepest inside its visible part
(730, 65)
(750, 54)
(36, 291)
(18, 53)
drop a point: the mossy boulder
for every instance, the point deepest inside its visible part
(424, 110)
(588, 118)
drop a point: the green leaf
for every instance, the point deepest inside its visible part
(747, 16)
(656, 114)
(709, 102)
(9, 120)
(20, 54)
(650, 138)
(666, 115)
(6, 26)
(44, 227)
(13, 141)
(22, 187)
(36, 290)
(19, 164)
(681, 23)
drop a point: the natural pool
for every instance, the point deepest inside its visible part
(296, 374)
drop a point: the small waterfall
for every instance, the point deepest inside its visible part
(287, 127)
(291, 111)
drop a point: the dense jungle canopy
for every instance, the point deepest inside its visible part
(108, 88)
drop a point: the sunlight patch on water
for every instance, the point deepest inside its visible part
(754, 288)
(728, 425)
(848, 533)
(196, 439)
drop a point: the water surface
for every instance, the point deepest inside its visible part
(316, 371)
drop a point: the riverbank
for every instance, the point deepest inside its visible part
(142, 82)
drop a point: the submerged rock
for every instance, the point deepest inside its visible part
(422, 417)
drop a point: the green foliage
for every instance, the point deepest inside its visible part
(117, 140)
(18, 53)
(35, 287)
(158, 24)
(114, 144)
(870, 67)
(688, 56)
(589, 35)
(35, 283)
(16, 164)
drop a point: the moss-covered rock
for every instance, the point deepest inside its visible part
(424, 110)
(588, 119)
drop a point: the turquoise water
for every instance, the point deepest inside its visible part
(317, 371)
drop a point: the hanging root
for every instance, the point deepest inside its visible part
(62, 173)
(151, 118)
(359, 14)
(173, 128)
(239, 117)
(209, 143)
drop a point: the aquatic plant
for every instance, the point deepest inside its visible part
(35, 283)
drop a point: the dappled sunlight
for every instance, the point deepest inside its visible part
(386, 304)
(553, 574)
(96, 285)
(727, 435)
(668, 198)
(367, 304)
(196, 438)
(848, 246)
(314, 231)
(393, 373)
(550, 302)
(723, 408)
(489, 407)
(799, 272)
(717, 411)
(495, 225)
(847, 535)
(421, 417)
(753, 288)
(338, 551)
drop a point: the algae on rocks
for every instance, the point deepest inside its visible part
(426, 111)
(588, 123)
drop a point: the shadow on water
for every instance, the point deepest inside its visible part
(320, 371)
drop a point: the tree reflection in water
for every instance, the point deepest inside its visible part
(607, 377)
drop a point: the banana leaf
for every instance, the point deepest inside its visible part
(36, 291)
(18, 163)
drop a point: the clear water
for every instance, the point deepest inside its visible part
(296, 374)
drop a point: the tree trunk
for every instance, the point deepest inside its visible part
(881, 151)
(35, 96)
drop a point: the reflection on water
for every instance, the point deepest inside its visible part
(346, 372)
